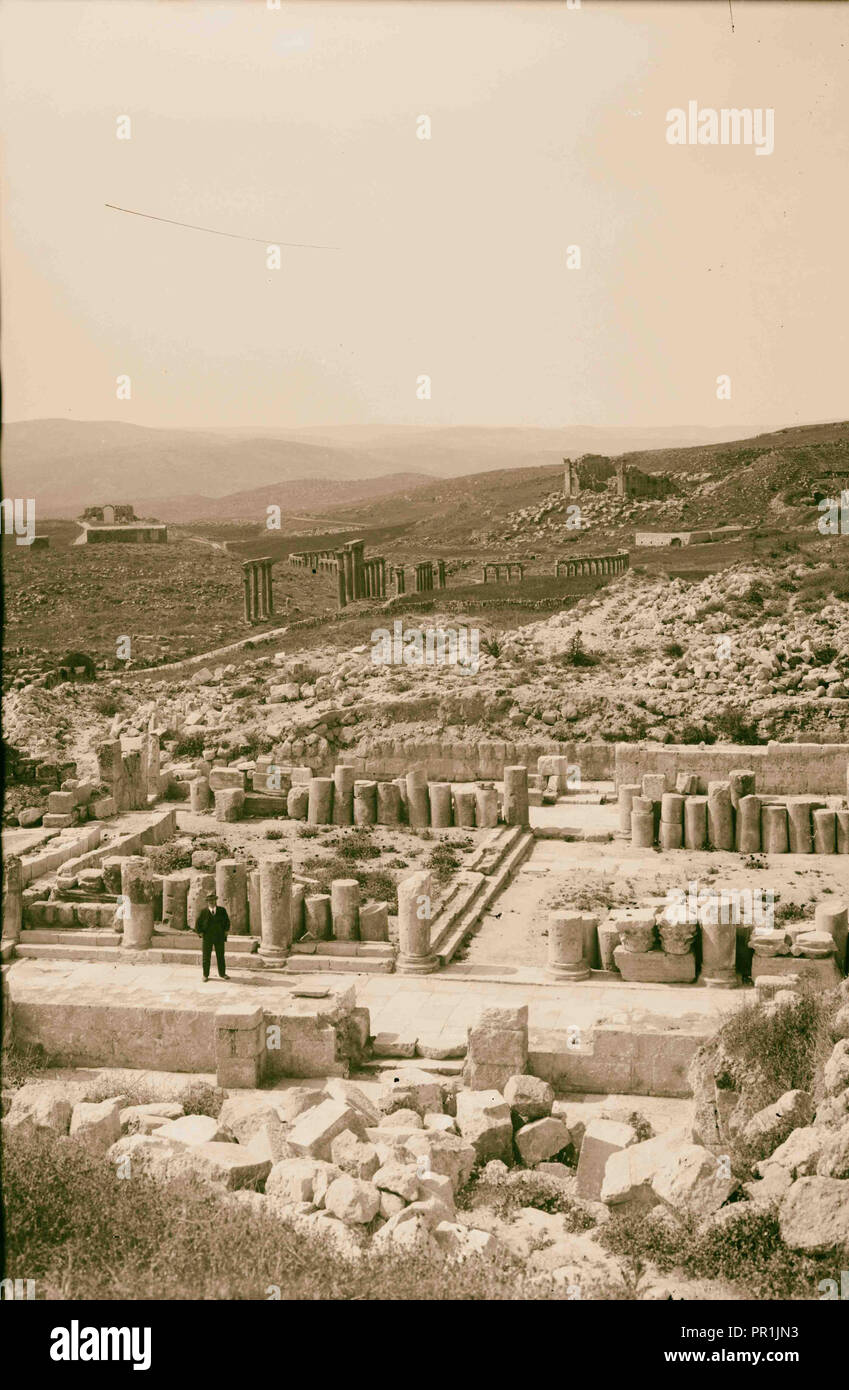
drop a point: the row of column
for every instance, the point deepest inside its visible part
(314, 559)
(510, 566)
(259, 596)
(592, 564)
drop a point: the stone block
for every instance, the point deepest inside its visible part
(601, 1139)
(652, 967)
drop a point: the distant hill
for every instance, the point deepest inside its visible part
(303, 499)
(69, 464)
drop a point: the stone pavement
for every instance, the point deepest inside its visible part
(440, 1006)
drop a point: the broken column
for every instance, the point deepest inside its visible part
(833, 917)
(175, 900)
(642, 822)
(388, 804)
(719, 950)
(343, 794)
(415, 908)
(627, 792)
(774, 830)
(275, 890)
(365, 803)
(671, 830)
(720, 816)
(418, 808)
(566, 960)
(464, 807)
(13, 887)
(318, 923)
(799, 825)
(440, 804)
(199, 889)
(137, 890)
(516, 796)
(374, 922)
(231, 886)
(320, 803)
(486, 806)
(749, 824)
(825, 836)
(695, 822)
(345, 909)
(199, 794)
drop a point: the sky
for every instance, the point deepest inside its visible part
(548, 130)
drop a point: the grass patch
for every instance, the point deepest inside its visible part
(506, 1197)
(749, 1252)
(83, 1233)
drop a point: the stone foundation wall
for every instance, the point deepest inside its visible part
(469, 762)
(781, 768)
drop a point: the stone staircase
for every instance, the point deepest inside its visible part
(166, 948)
(475, 888)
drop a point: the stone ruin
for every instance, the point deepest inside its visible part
(509, 566)
(358, 577)
(293, 792)
(729, 817)
(122, 527)
(581, 565)
(259, 591)
(595, 473)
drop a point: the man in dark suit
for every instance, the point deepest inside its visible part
(213, 924)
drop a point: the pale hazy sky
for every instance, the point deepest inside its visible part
(548, 129)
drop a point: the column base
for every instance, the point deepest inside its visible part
(719, 981)
(273, 955)
(416, 965)
(568, 972)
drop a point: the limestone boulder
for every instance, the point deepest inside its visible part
(602, 1137)
(97, 1125)
(40, 1107)
(194, 1129)
(353, 1201)
(833, 1162)
(771, 1125)
(339, 1089)
(346, 1241)
(436, 1186)
(136, 1119)
(694, 1181)
(220, 1166)
(578, 1262)
(484, 1120)
(529, 1098)
(289, 1104)
(840, 1026)
(410, 1088)
(540, 1140)
(402, 1119)
(314, 1130)
(401, 1179)
(629, 1172)
(814, 1216)
(301, 1180)
(799, 1153)
(355, 1158)
(445, 1123)
(836, 1073)
(449, 1154)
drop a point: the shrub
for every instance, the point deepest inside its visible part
(731, 725)
(177, 791)
(273, 833)
(575, 655)
(189, 746)
(673, 649)
(308, 832)
(696, 733)
(106, 704)
(443, 861)
(165, 859)
(520, 1189)
(22, 1063)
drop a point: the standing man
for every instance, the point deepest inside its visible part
(212, 925)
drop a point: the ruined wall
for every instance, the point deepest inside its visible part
(781, 768)
(465, 762)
